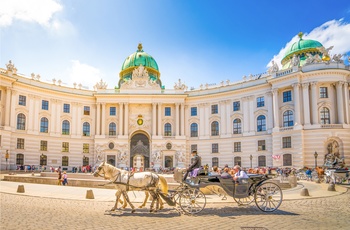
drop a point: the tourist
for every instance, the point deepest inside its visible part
(240, 174)
(64, 177)
(226, 174)
(59, 182)
(214, 172)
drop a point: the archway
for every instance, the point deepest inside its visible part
(139, 146)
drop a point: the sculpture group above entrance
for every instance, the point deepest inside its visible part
(140, 80)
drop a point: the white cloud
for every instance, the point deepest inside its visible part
(84, 74)
(332, 33)
(38, 11)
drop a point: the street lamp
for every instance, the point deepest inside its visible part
(251, 159)
(315, 155)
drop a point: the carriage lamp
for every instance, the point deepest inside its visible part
(251, 159)
(315, 155)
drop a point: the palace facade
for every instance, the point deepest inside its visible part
(289, 117)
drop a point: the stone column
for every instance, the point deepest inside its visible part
(314, 100)
(36, 113)
(251, 112)
(269, 102)
(98, 118)
(53, 115)
(275, 109)
(223, 127)
(229, 124)
(121, 122)
(58, 121)
(246, 115)
(103, 119)
(74, 122)
(154, 118)
(126, 120)
(333, 98)
(306, 103)
(31, 113)
(177, 119)
(207, 125)
(13, 117)
(339, 87)
(159, 119)
(182, 112)
(296, 104)
(8, 109)
(79, 123)
(201, 119)
(346, 97)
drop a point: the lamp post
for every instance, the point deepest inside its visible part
(315, 155)
(251, 160)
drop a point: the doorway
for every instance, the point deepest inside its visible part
(168, 161)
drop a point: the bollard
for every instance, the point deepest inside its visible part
(331, 187)
(20, 189)
(304, 192)
(89, 194)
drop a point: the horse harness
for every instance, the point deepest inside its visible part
(127, 184)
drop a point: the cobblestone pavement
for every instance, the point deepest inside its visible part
(27, 212)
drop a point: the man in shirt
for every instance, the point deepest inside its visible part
(195, 164)
(240, 174)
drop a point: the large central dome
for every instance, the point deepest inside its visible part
(136, 59)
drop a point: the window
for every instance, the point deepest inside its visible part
(261, 145)
(167, 111)
(86, 110)
(112, 111)
(65, 161)
(215, 148)
(20, 143)
(65, 127)
(22, 100)
(43, 160)
(85, 161)
(44, 125)
(287, 142)
(262, 161)
(43, 145)
(237, 126)
(167, 129)
(193, 111)
(19, 159)
(236, 106)
(86, 148)
(65, 146)
(325, 118)
(44, 105)
(287, 160)
(237, 146)
(261, 123)
(193, 148)
(66, 108)
(323, 92)
(288, 119)
(86, 129)
(215, 128)
(194, 130)
(112, 130)
(215, 161)
(260, 102)
(21, 121)
(287, 96)
(214, 109)
(237, 161)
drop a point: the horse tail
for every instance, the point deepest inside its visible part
(163, 184)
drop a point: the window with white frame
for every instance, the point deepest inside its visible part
(261, 145)
(237, 147)
(215, 148)
(286, 142)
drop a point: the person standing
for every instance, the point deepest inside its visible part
(65, 178)
(59, 182)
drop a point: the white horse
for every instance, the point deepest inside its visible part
(125, 181)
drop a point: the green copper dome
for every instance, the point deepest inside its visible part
(140, 57)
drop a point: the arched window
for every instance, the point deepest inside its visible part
(167, 129)
(215, 161)
(194, 130)
(21, 121)
(287, 159)
(65, 160)
(65, 127)
(215, 128)
(262, 161)
(261, 123)
(288, 118)
(44, 125)
(86, 129)
(43, 160)
(19, 159)
(112, 130)
(237, 161)
(237, 126)
(325, 118)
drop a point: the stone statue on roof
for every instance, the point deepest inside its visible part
(274, 68)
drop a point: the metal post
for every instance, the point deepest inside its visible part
(251, 161)
(315, 155)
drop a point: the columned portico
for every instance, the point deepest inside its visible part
(306, 103)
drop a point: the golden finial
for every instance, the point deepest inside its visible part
(139, 47)
(300, 34)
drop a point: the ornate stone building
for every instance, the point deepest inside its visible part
(279, 118)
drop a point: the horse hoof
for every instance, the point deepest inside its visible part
(141, 206)
(133, 211)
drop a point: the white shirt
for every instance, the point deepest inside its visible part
(241, 174)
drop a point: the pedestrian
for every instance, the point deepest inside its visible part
(65, 178)
(59, 182)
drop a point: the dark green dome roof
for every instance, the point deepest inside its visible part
(138, 58)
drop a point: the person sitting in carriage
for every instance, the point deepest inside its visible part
(195, 165)
(240, 174)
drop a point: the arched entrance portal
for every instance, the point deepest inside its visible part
(139, 151)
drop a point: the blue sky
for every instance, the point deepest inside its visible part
(197, 41)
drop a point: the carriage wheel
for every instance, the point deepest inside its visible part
(268, 197)
(192, 200)
(244, 201)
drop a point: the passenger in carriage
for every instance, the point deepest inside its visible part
(214, 171)
(226, 173)
(240, 174)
